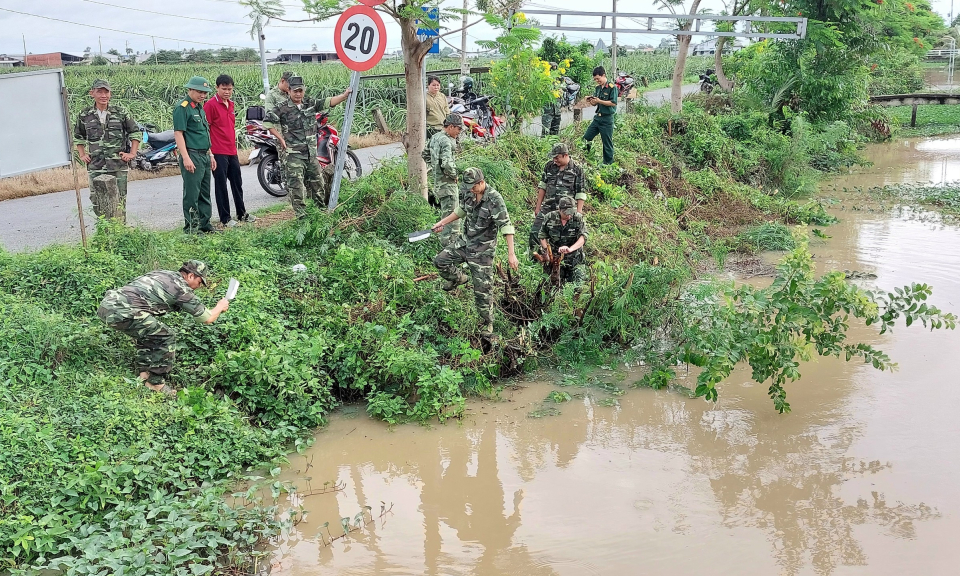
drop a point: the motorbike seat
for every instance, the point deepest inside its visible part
(479, 101)
(573, 87)
(160, 139)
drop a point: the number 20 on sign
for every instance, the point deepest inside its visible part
(360, 38)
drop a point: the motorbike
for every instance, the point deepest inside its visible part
(568, 97)
(706, 82)
(480, 120)
(265, 153)
(157, 150)
(625, 83)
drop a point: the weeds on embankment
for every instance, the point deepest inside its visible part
(97, 473)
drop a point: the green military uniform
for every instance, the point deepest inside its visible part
(104, 140)
(603, 120)
(135, 308)
(275, 97)
(557, 234)
(188, 117)
(483, 220)
(550, 120)
(301, 169)
(440, 163)
(557, 183)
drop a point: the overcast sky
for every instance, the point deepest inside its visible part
(214, 23)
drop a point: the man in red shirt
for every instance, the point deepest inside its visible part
(223, 144)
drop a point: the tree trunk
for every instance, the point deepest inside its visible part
(413, 54)
(718, 65)
(676, 88)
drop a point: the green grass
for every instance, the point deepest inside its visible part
(932, 120)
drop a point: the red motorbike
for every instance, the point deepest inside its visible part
(480, 120)
(265, 151)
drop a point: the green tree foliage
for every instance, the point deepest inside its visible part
(581, 64)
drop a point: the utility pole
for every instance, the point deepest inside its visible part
(100, 41)
(464, 68)
(156, 59)
(613, 42)
(24, 49)
(263, 61)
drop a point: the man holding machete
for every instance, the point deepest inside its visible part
(134, 310)
(485, 214)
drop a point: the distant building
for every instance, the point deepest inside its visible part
(10, 61)
(302, 56)
(53, 59)
(709, 47)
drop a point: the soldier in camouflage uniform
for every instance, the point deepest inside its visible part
(485, 215)
(562, 177)
(565, 231)
(134, 310)
(550, 121)
(276, 96)
(293, 122)
(102, 133)
(439, 158)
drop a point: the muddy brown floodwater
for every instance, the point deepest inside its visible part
(861, 478)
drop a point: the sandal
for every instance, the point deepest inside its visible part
(172, 392)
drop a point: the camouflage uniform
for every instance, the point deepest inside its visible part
(104, 143)
(301, 169)
(557, 234)
(557, 183)
(134, 310)
(477, 245)
(550, 121)
(440, 163)
(275, 97)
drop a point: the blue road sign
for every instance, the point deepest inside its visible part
(432, 14)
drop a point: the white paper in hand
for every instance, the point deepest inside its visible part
(232, 288)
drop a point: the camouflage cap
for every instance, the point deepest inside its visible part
(567, 206)
(287, 75)
(100, 83)
(558, 149)
(198, 83)
(453, 120)
(472, 176)
(295, 82)
(196, 267)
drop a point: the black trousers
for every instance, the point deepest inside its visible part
(228, 168)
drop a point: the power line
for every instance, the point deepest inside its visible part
(247, 24)
(121, 31)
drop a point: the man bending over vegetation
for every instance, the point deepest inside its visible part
(134, 309)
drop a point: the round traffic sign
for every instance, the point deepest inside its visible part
(360, 38)
(371, 3)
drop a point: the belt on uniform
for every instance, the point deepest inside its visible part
(198, 151)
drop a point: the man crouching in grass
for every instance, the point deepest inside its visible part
(134, 310)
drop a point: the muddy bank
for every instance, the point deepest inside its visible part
(858, 479)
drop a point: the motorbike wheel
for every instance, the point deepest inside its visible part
(351, 166)
(706, 87)
(270, 176)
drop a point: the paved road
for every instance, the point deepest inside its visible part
(39, 221)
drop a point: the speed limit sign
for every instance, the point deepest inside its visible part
(360, 38)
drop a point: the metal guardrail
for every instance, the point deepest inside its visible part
(446, 72)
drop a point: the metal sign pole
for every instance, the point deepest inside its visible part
(344, 136)
(73, 160)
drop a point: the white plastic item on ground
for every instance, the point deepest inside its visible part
(299, 268)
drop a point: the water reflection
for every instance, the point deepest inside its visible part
(663, 484)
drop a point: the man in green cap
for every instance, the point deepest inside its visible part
(280, 92)
(562, 177)
(439, 157)
(102, 134)
(135, 308)
(485, 215)
(564, 230)
(293, 122)
(605, 98)
(192, 134)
